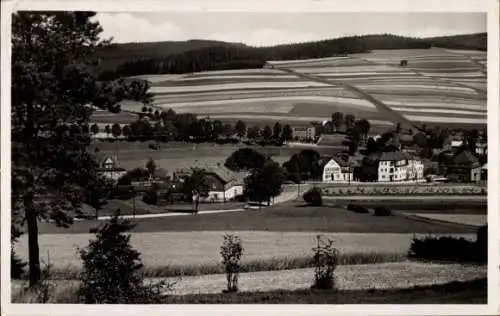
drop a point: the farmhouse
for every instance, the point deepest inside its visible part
(110, 169)
(223, 184)
(338, 170)
(304, 133)
(398, 166)
(464, 167)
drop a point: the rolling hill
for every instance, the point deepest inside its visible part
(200, 55)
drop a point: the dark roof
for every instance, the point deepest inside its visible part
(331, 139)
(223, 173)
(323, 161)
(406, 139)
(393, 156)
(465, 158)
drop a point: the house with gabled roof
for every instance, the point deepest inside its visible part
(110, 168)
(396, 166)
(338, 169)
(464, 167)
(224, 184)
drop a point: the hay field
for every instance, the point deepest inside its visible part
(201, 248)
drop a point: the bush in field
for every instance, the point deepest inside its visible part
(445, 249)
(43, 291)
(356, 208)
(151, 197)
(382, 211)
(112, 269)
(482, 243)
(313, 197)
(325, 261)
(231, 252)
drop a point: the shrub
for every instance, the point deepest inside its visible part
(382, 211)
(356, 208)
(112, 269)
(313, 197)
(17, 265)
(482, 243)
(151, 197)
(325, 262)
(231, 252)
(445, 249)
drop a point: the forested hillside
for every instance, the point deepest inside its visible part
(198, 55)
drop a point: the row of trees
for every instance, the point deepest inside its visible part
(169, 126)
(224, 56)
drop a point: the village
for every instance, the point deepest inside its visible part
(460, 158)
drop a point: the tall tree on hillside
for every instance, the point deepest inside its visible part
(287, 133)
(158, 132)
(116, 130)
(253, 132)
(277, 129)
(265, 183)
(267, 133)
(157, 116)
(126, 131)
(364, 127)
(151, 167)
(52, 84)
(217, 130)
(227, 130)
(337, 120)
(349, 121)
(94, 129)
(107, 130)
(240, 128)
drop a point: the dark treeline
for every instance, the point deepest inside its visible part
(172, 57)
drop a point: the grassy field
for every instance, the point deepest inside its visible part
(173, 155)
(286, 217)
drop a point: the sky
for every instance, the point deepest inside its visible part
(264, 29)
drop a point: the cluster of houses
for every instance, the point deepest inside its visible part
(222, 184)
(399, 166)
(394, 166)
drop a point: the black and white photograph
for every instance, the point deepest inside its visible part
(247, 157)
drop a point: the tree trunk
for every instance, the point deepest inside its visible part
(34, 252)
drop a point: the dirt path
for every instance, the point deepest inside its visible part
(381, 106)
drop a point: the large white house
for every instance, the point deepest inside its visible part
(398, 166)
(338, 170)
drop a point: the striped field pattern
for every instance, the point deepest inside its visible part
(437, 86)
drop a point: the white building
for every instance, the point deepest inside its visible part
(110, 168)
(337, 170)
(397, 166)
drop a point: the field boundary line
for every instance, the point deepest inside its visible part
(379, 105)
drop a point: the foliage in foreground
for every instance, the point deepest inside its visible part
(451, 248)
(313, 197)
(469, 292)
(52, 87)
(112, 269)
(326, 259)
(231, 252)
(382, 211)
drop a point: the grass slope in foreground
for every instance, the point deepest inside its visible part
(471, 292)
